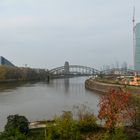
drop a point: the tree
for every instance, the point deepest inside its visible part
(16, 122)
(115, 108)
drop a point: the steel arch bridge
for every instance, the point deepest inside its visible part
(73, 70)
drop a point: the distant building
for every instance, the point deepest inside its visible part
(66, 68)
(5, 62)
(137, 48)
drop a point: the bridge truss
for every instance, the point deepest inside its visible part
(74, 70)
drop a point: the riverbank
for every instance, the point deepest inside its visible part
(102, 87)
(8, 81)
(16, 74)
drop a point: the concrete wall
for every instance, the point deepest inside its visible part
(101, 87)
(105, 87)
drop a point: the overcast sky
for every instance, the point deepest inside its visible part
(46, 33)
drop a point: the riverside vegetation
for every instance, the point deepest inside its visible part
(10, 74)
(118, 119)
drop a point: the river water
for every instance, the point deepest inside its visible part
(43, 100)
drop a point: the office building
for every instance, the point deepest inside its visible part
(5, 62)
(137, 47)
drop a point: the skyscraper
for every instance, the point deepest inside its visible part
(137, 47)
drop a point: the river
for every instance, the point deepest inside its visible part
(43, 100)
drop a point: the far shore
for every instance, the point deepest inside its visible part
(102, 87)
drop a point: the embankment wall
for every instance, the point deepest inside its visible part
(101, 87)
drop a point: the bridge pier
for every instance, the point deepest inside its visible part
(72, 70)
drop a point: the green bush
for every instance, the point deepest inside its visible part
(51, 132)
(88, 123)
(117, 134)
(16, 122)
(135, 103)
(86, 119)
(65, 128)
(16, 128)
(13, 135)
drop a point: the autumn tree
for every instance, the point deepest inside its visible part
(135, 103)
(115, 108)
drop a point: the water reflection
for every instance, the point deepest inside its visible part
(66, 84)
(9, 86)
(14, 85)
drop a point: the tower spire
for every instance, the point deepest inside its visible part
(133, 17)
(133, 20)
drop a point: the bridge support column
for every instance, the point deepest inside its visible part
(66, 69)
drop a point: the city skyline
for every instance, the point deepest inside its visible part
(45, 34)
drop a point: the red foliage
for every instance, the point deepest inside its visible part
(115, 108)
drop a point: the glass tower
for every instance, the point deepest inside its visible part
(137, 48)
(5, 62)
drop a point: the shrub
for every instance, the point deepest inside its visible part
(12, 135)
(135, 102)
(86, 119)
(51, 132)
(16, 122)
(117, 134)
(65, 128)
(88, 123)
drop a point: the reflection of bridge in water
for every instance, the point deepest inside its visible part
(72, 70)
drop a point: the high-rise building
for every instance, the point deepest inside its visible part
(66, 68)
(5, 62)
(137, 47)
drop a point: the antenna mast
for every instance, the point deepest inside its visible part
(133, 34)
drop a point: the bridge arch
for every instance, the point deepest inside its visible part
(73, 70)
